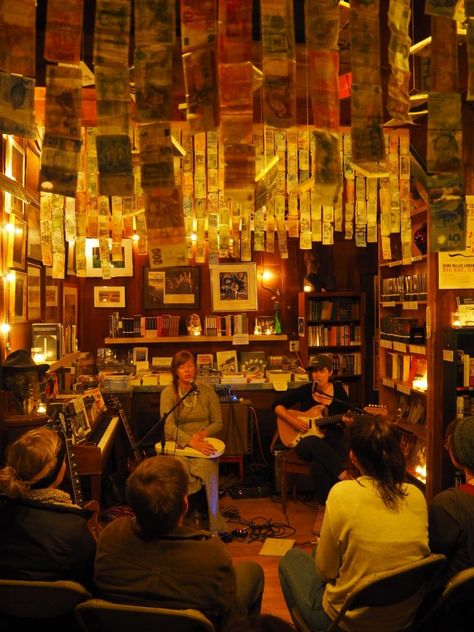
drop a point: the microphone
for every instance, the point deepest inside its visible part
(194, 387)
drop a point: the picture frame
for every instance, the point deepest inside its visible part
(33, 248)
(15, 169)
(34, 292)
(140, 354)
(234, 287)
(111, 296)
(176, 287)
(16, 247)
(51, 296)
(18, 291)
(122, 268)
(70, 304)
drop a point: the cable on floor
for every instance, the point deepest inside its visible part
(258, 528)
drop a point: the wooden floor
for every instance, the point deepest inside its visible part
(264, 510)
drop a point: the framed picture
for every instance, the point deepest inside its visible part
(16, 251)
(14, 168)
(52, 296)
(140, 354)
(234, 287)
(18, 289)
(34, 292)
(34, 238)
(121, 268)
(70, 294)
(171, 287)
(109, 296)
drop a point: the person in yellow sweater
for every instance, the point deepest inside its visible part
(374, 523)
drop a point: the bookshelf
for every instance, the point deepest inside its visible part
(332, 323)
(184, 340)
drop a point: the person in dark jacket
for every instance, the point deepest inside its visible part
(156, 560)
(328, 452)
(43, 535)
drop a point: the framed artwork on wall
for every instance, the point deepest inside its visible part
(34, 237)
(34, 292)
(109, 296)
(234, 287)
(121, 268)
(18, 289)
(176, 287)
(70, 299)
(16, 250)
(52, 296)
(14, 168)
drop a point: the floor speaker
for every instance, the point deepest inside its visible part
(236, 432)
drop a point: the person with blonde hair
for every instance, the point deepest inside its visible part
(43, 534)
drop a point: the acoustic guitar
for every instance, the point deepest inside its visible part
(317, 421)
(63, 427)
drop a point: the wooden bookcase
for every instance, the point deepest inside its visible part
(333, 323)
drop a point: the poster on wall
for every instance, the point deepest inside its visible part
(456, 270)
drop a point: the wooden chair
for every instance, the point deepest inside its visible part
(289, 466)
(99, 615)
(453, 609)
(49, 604)
(385, 589)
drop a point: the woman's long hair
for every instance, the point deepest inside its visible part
(180, 358)
(376, 444)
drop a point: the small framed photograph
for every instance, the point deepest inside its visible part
(52, 296)
(16, 250)
(234, 287)
(15, 169)
(140, 354)
(122, 267)
(18, 290)
(171, 287)
(34, 292)
(70, 301)
(109, 296)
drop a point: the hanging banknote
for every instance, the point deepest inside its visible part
(153, 75)
(366, 124)
(113, 100)
(198, 23)
(324, 88)
(17, 96)
(279, 95)
(112, 32)
(365, 43)
(156, 161)
(165, 225)
(441, 8)
(114, 156)
(60, 159)
(322, 24)
(444, 152)
(278, 31)
(63, 112)
(63, 37)
(155, 22)
(18, 37)
(327, 167)
(236, 102)
(235, 31)
(447, 225)
(398, 102)
(200, 81)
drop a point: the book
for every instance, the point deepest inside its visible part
(253, 364)
(204, 361)
(227, 361)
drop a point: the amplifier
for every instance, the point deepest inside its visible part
(237, 428)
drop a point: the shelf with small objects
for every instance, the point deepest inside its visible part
(331, 323)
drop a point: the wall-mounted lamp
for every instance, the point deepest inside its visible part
(5, 333)
(266, 275)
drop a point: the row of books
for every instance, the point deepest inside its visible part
(141, 326)
(334, 335)
(345, 363)
(412, 408)
(464, 405)
(465, 369)
(335, 309)
(409, 287)
(405, 368)
(402, 329)
(227, 325)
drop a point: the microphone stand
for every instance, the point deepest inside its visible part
(356, 409)
(160, 424)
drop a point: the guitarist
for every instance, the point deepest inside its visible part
(43, 534)
(327, 453)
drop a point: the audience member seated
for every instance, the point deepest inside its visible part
(375, 523)
(156, 560)
(43, 535)
(451, 513)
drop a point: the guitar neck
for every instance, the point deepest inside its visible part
(76, 488)
(115, 402)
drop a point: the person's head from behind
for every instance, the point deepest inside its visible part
(36, 460)
(460, 443)
(157, 492)
(375, 450)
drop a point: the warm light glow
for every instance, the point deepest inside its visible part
(307, 288)
(10, 228)
(266, 275)
(41, 409)
(420, 384)
(38, 358)
(10, 276)
(5, 329)
(420, 471)
(193, 237)
(135, 237)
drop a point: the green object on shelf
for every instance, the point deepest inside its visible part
(276, 320)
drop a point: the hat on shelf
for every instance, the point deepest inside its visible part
(320, 361)
(21, 360)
